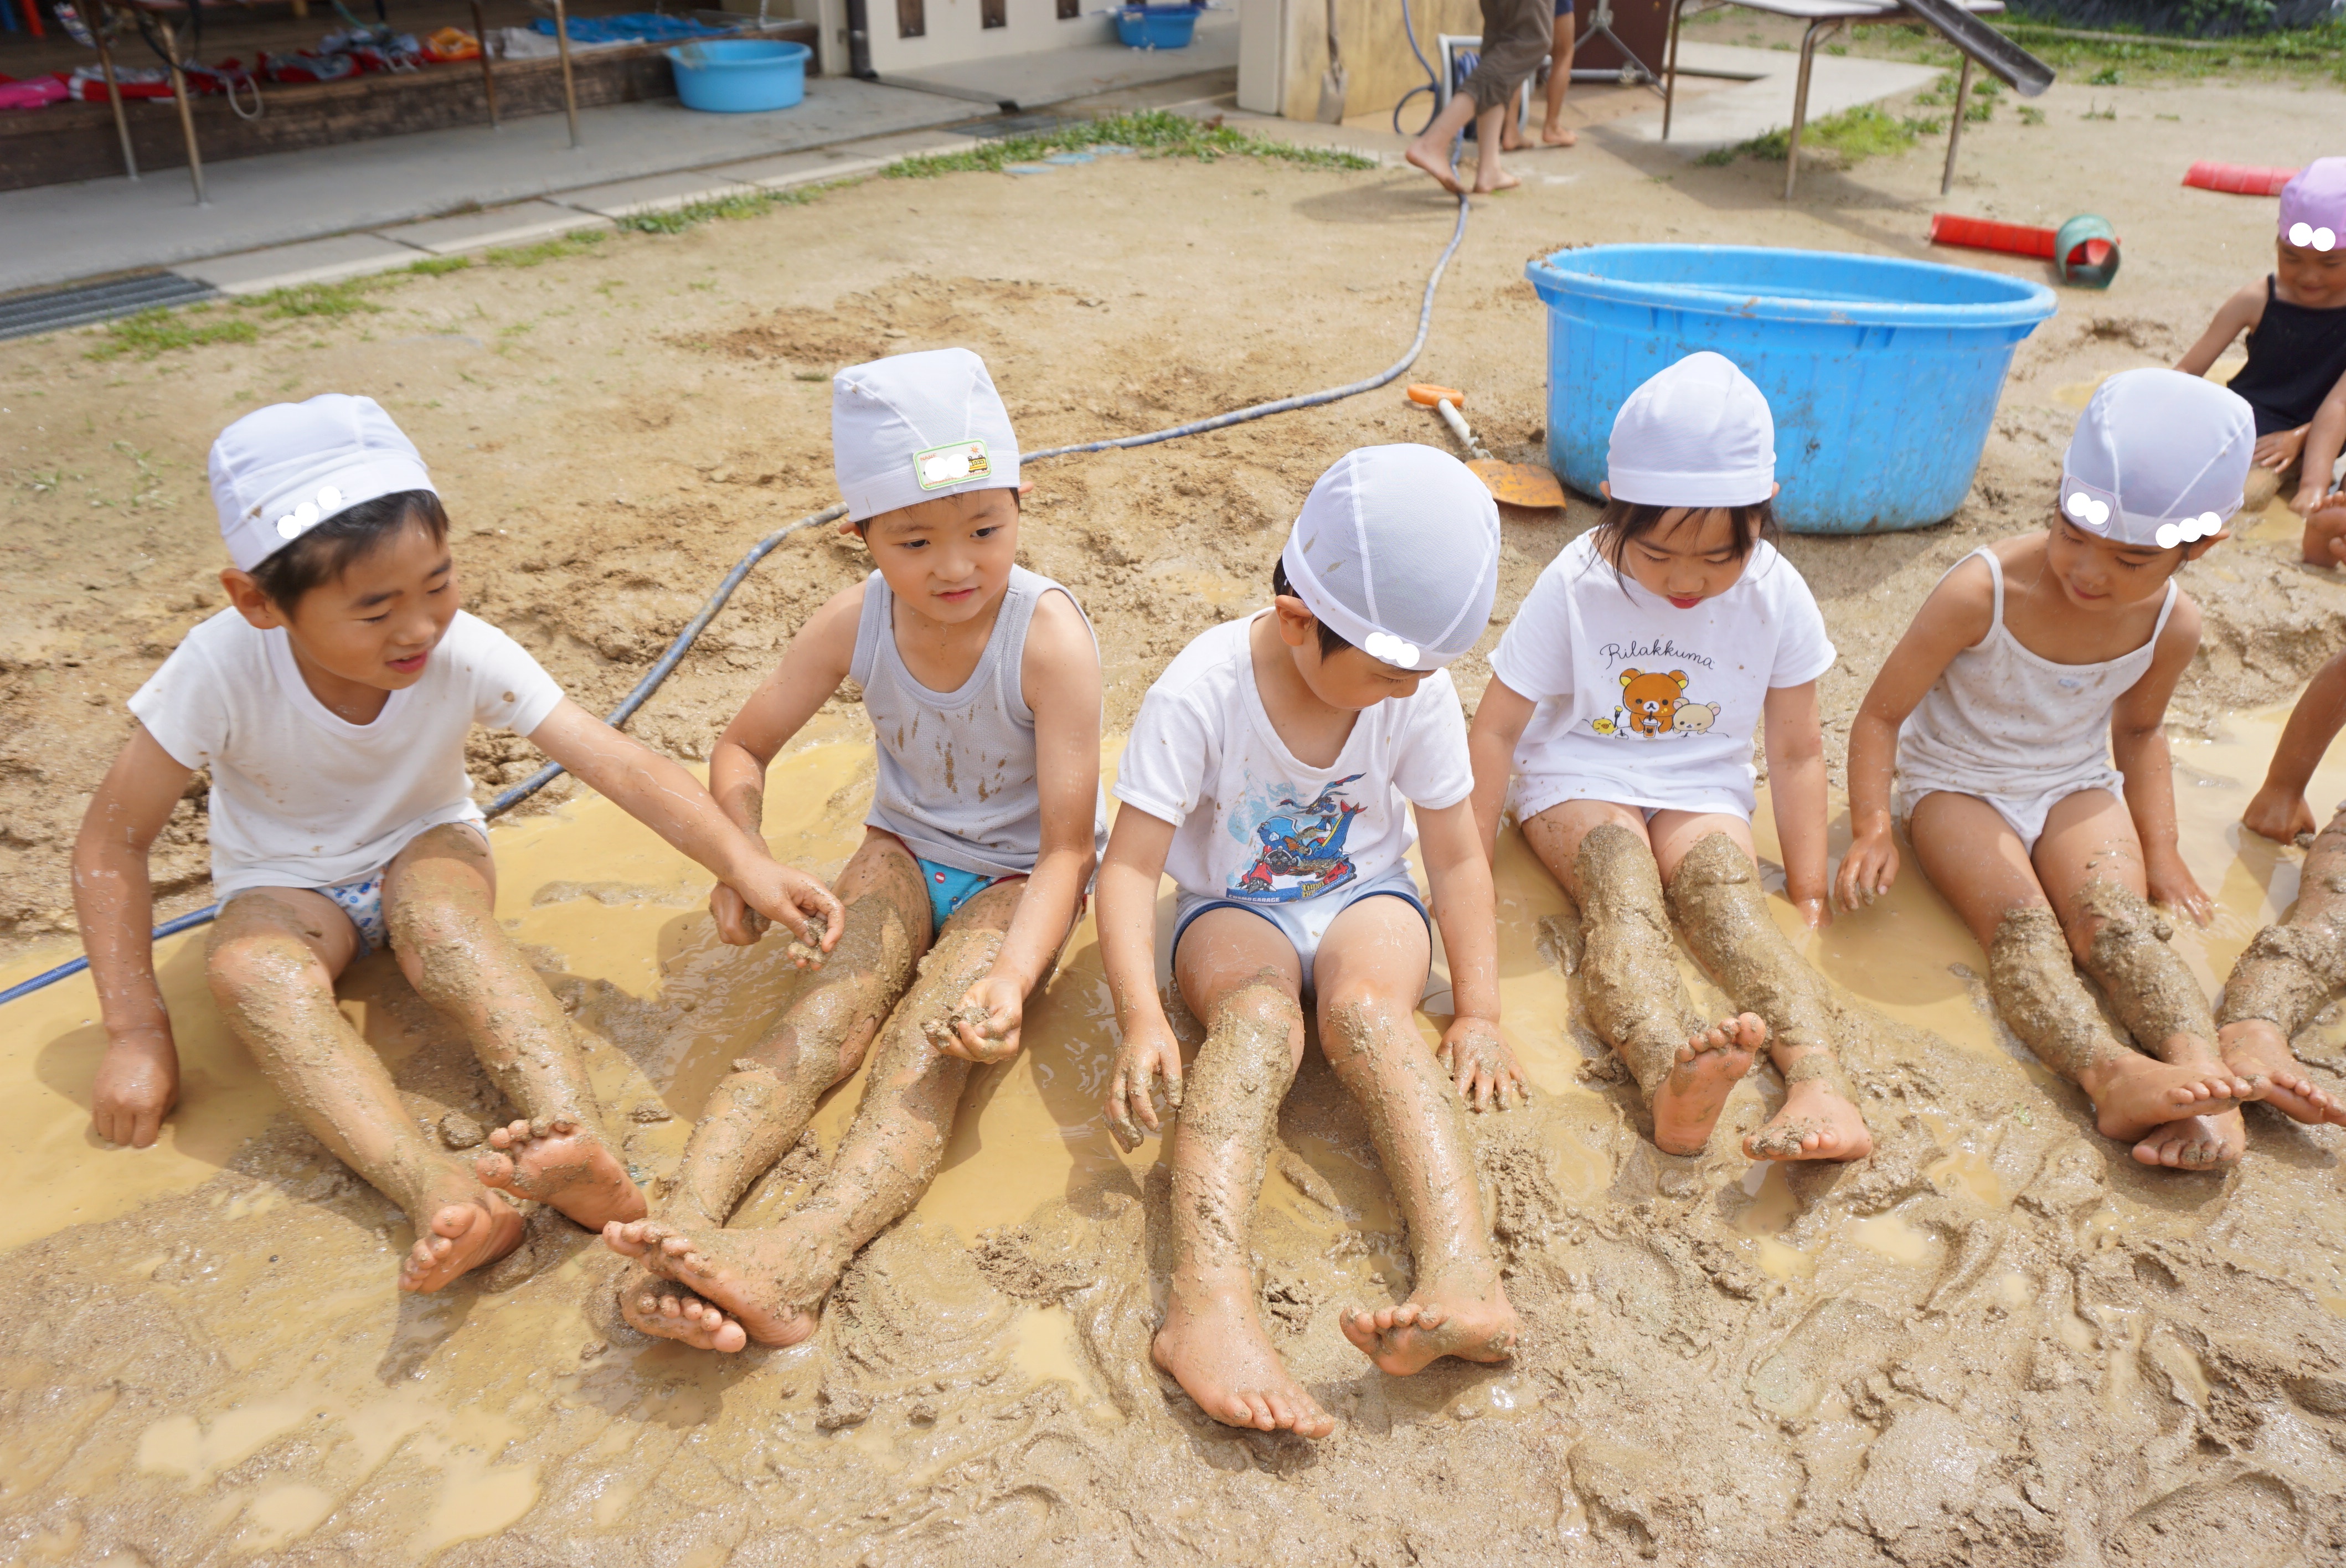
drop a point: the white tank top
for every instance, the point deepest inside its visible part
(957, 780)
(2002, 720)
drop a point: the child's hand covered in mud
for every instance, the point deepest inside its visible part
(1867, 872)
(774, 892)
(984, 1028)
(1476, 1057)
(1149, 1052)
(2279, 815)
(137, 1085)
(2170, 882)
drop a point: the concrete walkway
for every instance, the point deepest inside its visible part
(1046, 76)
(59, 233)
(1763, 99)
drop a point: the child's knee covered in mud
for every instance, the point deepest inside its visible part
(2155, 994)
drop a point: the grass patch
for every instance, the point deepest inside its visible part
(152, 332)
(2306, 53)
(1155, 133)
(578, 243)
(347, 298)
(748, 204)
(1866, 131)
(437, 266)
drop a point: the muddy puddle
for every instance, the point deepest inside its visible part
(1997, 1341)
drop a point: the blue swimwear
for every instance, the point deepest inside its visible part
(950, 887)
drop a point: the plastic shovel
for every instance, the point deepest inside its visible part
(1516, 484)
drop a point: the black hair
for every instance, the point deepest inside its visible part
(330, 549)
(862, 526)
(1623, 522)
(1332, 641)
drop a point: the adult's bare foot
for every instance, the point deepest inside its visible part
(558, 1162)
(1709, 1066)
(659, 1308)
(2195, 1143)
(1558, 135)
(1499, 179)
(1433, 1324)
(772, 1280)
(1816, 1122)
(2256, 1050)
(461, 1236)
(1435, 164)
(1213, 1345)
(2133, 1093)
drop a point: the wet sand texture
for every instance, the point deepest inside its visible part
(1628, 972)
(1229, 1110)
(2035, 981)
(2154, 995)
(2291, 971)
(1718, 901)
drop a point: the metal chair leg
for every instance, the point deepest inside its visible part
(1955, 131)
(1801, 102)
(488, 76)
(187, 119)
(569, 87)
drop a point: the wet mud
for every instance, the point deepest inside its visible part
(1629, 968)
(2154, 995)
(2034, 977)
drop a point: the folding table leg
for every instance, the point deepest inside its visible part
(187, 120)
(1816, 30)
(1955, 131)
(488, 76)
(99, 19)
(569, 88)
(1670, 69)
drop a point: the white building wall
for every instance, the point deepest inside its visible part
(953, 32)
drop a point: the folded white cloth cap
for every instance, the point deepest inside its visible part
(1397, 548)
(281, 471)
(2159, 459)
(1697, 434)
(914, 427)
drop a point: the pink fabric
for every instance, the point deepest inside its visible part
(36, 94)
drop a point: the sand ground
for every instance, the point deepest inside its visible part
(1997, 1341)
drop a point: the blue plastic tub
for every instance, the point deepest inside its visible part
(740, 75)
(1882, 373)
(1156, 26)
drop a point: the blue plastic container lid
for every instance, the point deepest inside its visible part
(1912, 293)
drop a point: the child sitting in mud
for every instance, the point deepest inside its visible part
(332, 702)
(1622, 703)
(2297, 968)
(983, 683)
(2295, 380)
(1273, 770)
(2030, 664)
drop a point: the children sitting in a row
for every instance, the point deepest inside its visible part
(1274, 770)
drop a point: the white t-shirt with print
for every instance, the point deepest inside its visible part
(1645, 704)
(303, 798)
(1253, 823)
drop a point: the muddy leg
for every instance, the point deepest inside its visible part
(773, 1280)
(439, 899)
(1715, 894)
(1370, 971)
(1240, 975)
(2289, 973)
(272, 963)
(1630, 982)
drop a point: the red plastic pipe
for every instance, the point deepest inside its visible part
(2237, 179)
(1981, 234)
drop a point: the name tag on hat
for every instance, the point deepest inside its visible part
(956, 462)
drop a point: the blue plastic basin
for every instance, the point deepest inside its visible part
(1156, 26)
(1882, 373)
(740, 75)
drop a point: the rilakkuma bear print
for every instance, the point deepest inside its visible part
(1652, 699)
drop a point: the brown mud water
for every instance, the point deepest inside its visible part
(1997, 1339)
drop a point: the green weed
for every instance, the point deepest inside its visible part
(572, 244)
(438, 266)
(152, 332)
(1154, 133)
(1863, 132)
(333, 300)
(749, 204)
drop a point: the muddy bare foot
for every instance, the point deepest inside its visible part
(1502, 180)
(560, 1163)
(1708, 1067)
(772, 1281)
(1433, 164)
(659, 1308)
(2254, 1049)
(462, 1236)
(2136, 1094)
(1213, 1345)
(1816, 1124)
(1422, 1330)
(2196, 1143)
(1558, 135)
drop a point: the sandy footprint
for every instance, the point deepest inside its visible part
(561, 1163)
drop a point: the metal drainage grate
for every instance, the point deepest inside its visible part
(56, 309)
(1015, 125)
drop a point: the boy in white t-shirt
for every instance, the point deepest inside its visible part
(1272, 771)
(332, 703)
(1623, 701)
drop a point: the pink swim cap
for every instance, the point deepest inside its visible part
(2313, 206)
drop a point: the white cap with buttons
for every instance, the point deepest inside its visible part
(2158, 459)
(1699, 434)
(281, 471)
(914, 427)
(1397, 550)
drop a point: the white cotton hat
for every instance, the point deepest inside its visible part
(281, 471)
(2159, 459)
(1697, 434)
(914, 427)
(1397, 549)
